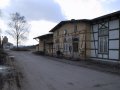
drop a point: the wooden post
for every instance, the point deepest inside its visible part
(85, 43)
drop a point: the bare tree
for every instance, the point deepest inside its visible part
(19, 28)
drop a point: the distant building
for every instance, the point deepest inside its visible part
(5, 40)
(8, 46)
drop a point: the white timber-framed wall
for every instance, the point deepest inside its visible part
(105, 38)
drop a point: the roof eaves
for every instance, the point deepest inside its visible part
(68, 21)
(43, 36)
(57, 26)
(107, 15)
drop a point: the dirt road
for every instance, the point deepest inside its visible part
(44, 74)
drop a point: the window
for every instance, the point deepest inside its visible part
(103, 32)
(103, 41)
(75, 28)
(75, 44)
(66, 47)
(65, 32)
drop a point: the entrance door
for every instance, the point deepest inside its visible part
(75, 48)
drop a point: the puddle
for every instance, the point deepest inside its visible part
(5, 69)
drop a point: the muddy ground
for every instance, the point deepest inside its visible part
(11, 76)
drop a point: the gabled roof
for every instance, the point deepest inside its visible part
(114, 14)
(44, 36)
(111, 15)
(68, 21)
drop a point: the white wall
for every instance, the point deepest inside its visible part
(114, 24)
(113, 54)
(114, 34)
(113, 43)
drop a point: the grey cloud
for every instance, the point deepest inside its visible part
(37, 9)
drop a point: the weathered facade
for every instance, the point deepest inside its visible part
(37, 47)
(69, 38)
(105, 37)
(97, 39)
(45, 44)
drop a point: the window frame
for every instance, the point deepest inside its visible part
(103, 40)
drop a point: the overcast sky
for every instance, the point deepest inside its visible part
(43, 15)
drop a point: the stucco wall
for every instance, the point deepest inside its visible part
(59, 35)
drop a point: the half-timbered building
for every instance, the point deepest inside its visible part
(105, 37)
